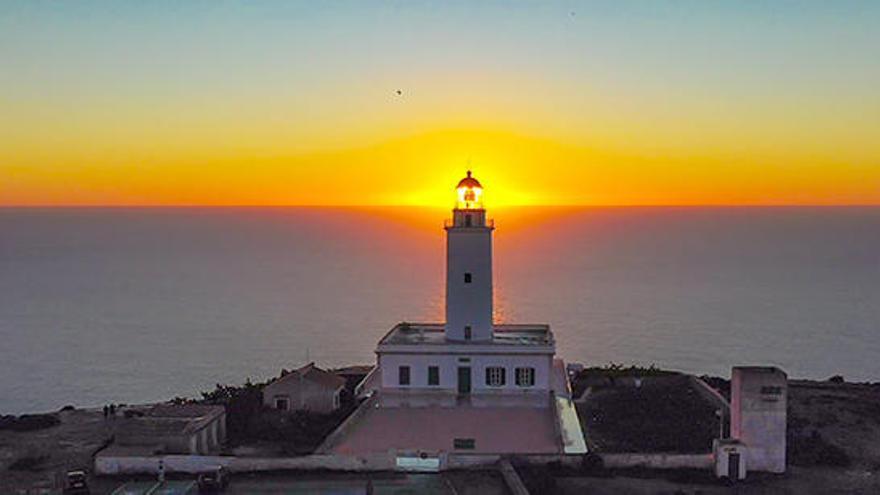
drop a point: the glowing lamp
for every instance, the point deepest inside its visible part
(470, 194)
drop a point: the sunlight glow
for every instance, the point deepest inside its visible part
(470, 194)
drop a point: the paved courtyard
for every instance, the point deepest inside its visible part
(525, 425)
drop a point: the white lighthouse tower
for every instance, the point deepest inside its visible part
(469, 266)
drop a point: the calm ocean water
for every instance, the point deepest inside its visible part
(134, 305)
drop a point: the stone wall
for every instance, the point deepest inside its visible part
(115, 465)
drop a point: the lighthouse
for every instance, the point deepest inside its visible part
(468, 385)
(469, 266)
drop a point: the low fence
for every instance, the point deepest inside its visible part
(124, 464)
(710, 394)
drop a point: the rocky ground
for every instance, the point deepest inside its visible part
(833, 436)
(834, 424)
(449, 483)
(40, 458)
(834, 441)
(798, 481)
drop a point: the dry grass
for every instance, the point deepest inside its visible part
(834, 424)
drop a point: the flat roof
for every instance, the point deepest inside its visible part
(406, 333)
(759, 369)
(169, 419)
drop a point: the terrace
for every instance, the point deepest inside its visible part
(405, 333)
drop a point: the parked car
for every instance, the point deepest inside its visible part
(77, 483)
(213, 481)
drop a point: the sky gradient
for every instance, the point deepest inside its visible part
(277, 103)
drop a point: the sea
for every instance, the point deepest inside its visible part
(134, 305)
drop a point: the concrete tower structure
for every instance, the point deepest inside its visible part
(758, 415)
(469, 266)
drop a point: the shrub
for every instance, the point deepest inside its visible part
(29, 422)
(248, 420)
(242, 404)
(836, 379)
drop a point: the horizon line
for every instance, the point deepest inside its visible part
(398, 205)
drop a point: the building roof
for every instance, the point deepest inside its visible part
(358, 369)
(759, 369)
(313, 374)
(469, 182)
(537, 335)
(168, 420)
(148, 430)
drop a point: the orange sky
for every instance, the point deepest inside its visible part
(423, 169)
(617, 105)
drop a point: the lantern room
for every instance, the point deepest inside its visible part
(469, 211)
(470, 194)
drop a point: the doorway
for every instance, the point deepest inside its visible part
(733, 466)
(464, 379)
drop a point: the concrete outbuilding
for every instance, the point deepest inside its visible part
(306, 389)
(758, 415)
(174, 429)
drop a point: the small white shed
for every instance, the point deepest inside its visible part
(730, 459)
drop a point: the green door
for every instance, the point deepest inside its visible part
(464, 379)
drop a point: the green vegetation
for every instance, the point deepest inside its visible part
(617, 369)
(248, 420)
(243, 404)
(298, 432)
(664, 414)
